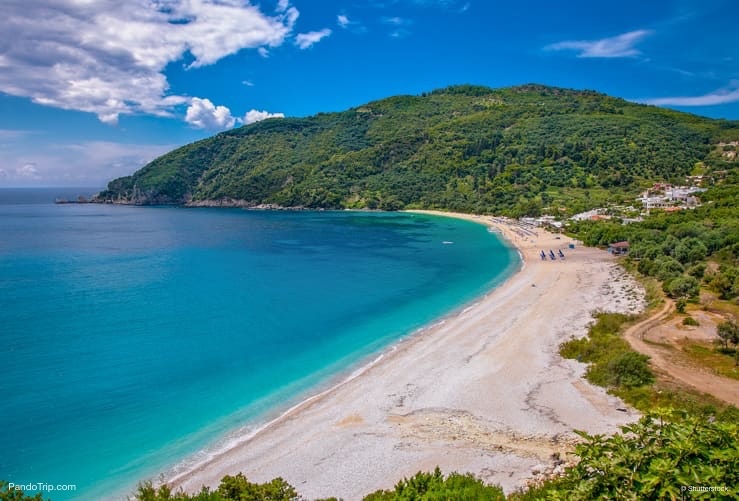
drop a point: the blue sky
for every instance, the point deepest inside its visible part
(92, 90)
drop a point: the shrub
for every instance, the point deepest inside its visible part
(726, 281)
(8, 494)
(697, 270)
(690, 321)
(680, 304)
(630, 369)
(232, 488)
(421, 487)
(728, 332)
(690, 250)
(433, 486)
(657, 458)
(667, 268)
(682, 287)
(647, 267)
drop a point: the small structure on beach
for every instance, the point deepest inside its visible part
(619, 248)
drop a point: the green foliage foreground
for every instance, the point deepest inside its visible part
(422, 486)
(666, 455)
(433, 486)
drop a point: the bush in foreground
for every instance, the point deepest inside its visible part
(8, 494)
(421, 487)
(433, 486)
(666, 455)
(232, 488)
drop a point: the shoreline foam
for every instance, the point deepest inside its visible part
(404, 412)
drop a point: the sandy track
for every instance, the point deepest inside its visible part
(695, 377)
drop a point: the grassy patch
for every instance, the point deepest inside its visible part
(724, 363)
(720, 306)
(667, 394)
(612, 362)
(626, 373)
(690, 321)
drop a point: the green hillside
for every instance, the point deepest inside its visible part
(512, 150)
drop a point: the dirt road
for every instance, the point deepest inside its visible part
(700, 379)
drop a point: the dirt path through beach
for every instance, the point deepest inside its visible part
(685, 373)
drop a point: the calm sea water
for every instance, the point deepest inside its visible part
(134, 337)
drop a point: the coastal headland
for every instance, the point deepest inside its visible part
(483, 391)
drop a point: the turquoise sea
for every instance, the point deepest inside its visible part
(134, 338)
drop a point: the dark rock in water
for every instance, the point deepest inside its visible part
(80, 200)
(242, 204)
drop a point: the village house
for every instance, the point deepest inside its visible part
(619, 248)
(671, 196)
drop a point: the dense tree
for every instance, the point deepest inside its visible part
(514, 151)
(681, 249)
(690, 250)
(725, 281)
(667, 267)
(728, 332)
(682, 287)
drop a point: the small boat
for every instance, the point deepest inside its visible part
(447, 242)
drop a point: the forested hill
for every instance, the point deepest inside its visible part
(467, 148)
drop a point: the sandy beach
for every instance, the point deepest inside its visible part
(484, 391)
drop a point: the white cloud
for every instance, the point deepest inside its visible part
(728, 94)
(91, 163)
(248, 83)
(399, 24)
(263, 52)
(28, 171)
(205, 115)
(623, 45)
(445, 4)
(282, 5)
(12, 134)
(108, 57)
(343, 21)
(397, 21)
(257, 116)
(307, 40)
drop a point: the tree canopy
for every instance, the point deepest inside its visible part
(467, 148)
